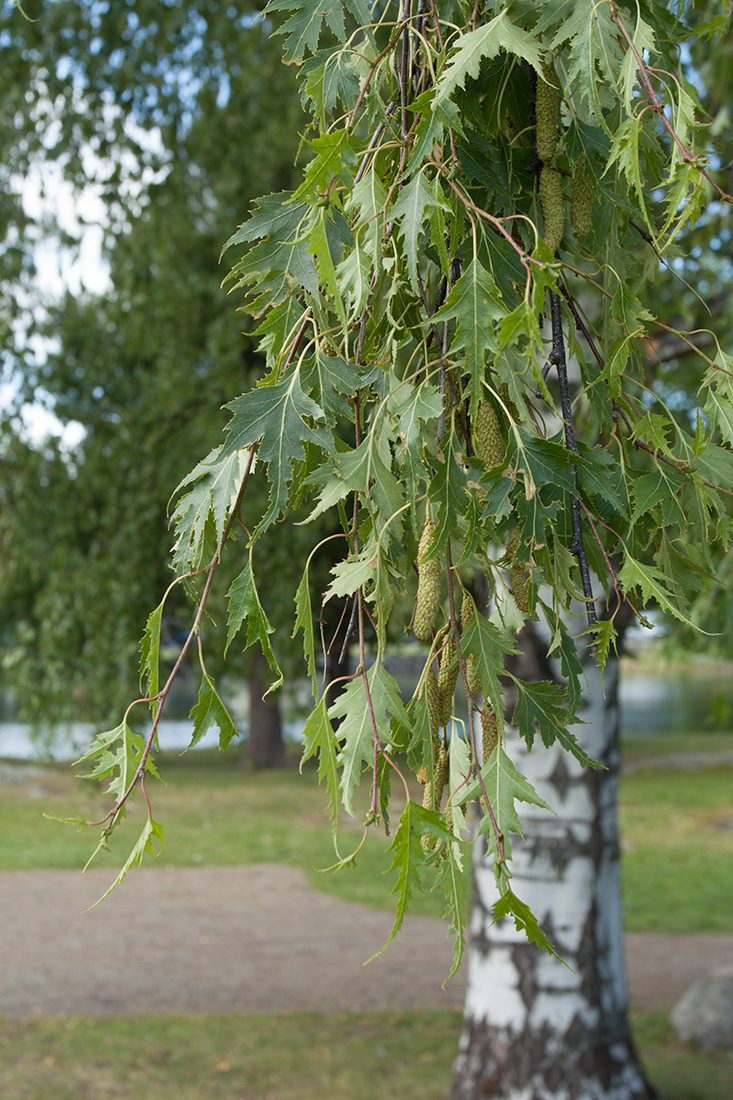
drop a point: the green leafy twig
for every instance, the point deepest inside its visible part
(658, 107)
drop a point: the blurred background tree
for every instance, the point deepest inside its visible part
(174, 116)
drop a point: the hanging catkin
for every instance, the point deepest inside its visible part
(553, 207)
(427, 601)
(488, 438)
(547, 114)
(581, 199)
(447, 676)
(519, 573)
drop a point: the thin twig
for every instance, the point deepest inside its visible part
(577, 546)
(620, 593)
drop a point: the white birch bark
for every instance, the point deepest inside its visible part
(535, 1029)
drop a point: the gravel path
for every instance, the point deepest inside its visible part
(249, 939)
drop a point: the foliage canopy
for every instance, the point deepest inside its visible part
(453, 309)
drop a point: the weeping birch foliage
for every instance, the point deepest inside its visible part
(449, 309)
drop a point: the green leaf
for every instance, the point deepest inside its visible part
(304, 622)
(459, 766)
(503, 785)
(474, 302)
(367, 201)
(599, 476)
(719, 403)
(210, 711)
(417, 197)
(216, 482)
(319, 740)
(469, 50)
(488, 647)
(596, 58)
(277, 417)
(654, 488)
(654, 429)
(411, 406)
(330, 77)
(330, 380)
(151, 831)
(409, 858)
(545, 462)
(643, 40)
(244, 603)
(451, 881)
(334, 159)
(716, 464)
(447, 490)
(279, 327)
(543, 706)
(117, 754)
(303, 29)
(509, 905)
(320, 245)
(354, 572)
(366, 469)
(570, 666)
(281, 260)
(649, 580)
(355, 731)
(625, 151)
(604, 639)
(150, 654)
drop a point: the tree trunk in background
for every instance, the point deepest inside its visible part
(534, 1029)
(265, 748)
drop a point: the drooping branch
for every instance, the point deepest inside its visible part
(657, 106)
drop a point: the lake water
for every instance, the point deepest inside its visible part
(694, 699)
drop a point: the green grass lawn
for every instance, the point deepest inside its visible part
(299, 1056)
(677, 837)
(212, 814)
(676, 832)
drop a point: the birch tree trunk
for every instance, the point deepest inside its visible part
(535, 1029)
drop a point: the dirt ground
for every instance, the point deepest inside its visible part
(250, 939)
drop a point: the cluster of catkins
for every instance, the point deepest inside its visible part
(547, 116)
(490, 446)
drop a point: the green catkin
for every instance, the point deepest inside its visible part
(581, 199)
(433, 793)
(511, 408)
(520, 589)
(433, 699)
(518, 573)
(512, 545)
(447, 676)
(553, 207)
(468, 608)
(474, 681)
(490, 732)
(547, 114)
(441, 775)
(488, 438)
(427, 601)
